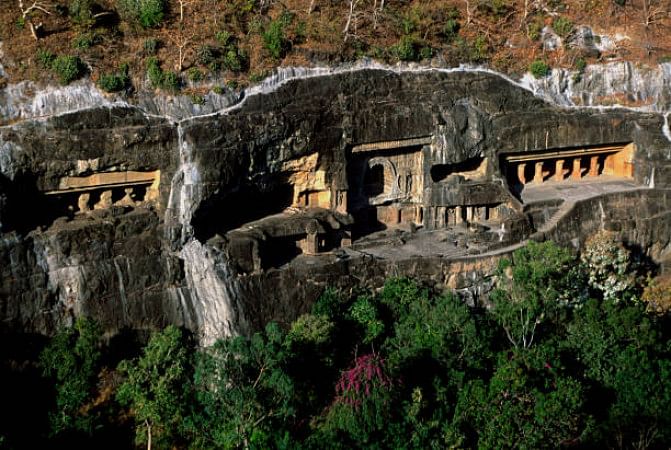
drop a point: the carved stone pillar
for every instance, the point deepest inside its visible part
(311, 246)
(538, 173)
(105, 200)
(83, 202)
(440, 216)
(594, 166)
(127, 200)
(493, 213)
(520, 172)
(459, 215)
(559, 170)
(577, 170)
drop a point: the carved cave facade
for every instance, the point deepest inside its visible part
(102, 191)
(401, 185)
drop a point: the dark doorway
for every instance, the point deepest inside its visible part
(373, 182)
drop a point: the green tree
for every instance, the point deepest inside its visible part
(157, 388)
(245, 397)
(529, 290)
(626, 353)
(527, 404)
(72, 360)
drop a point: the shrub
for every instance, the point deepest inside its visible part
(194, 74)
(171, 81)
(451, 28)
(68, 68)
(580, 65)
(494, 8)
(205, 55)
(223, 37)
(147, 13)
(44, 58)
(113, 82)
(233, 59)
(154, 73)
(534, 30)
(539, 69)
(150, 46)
(562, 26)
(274, 38)
(218, 90)
(480, 49)
(80, 12)
(255, 77)
(85, 40)
(405, 50)
(425, 53)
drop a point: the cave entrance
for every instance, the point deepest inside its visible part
(470, 169)
(373, 182)
(385, 186)
(249, 203)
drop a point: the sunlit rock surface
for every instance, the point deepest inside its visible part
(315, 177)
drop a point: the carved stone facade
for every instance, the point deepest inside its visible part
(570, 164)
(401, 185)
(106, 189)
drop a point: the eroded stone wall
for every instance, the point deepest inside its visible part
(292, 147)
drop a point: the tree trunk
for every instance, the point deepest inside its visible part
(148, 434)
(349, 19)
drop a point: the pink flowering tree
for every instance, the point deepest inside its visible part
(361, 407)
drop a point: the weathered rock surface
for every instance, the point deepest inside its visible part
(168, 262)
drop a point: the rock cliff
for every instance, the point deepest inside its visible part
(221, 222)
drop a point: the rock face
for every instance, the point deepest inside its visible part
(222, 222)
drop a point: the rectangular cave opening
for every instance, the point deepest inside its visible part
(385, 187)
(568, 165)
(471, 169)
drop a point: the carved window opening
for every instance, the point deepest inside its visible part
(470, 169)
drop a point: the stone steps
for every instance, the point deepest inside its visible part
(564, 209)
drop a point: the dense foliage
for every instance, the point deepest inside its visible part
(558, 358)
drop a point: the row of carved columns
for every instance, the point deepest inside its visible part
(447, 216)
(560, 172)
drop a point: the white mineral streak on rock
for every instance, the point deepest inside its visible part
(214, 293)
(64, 277)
